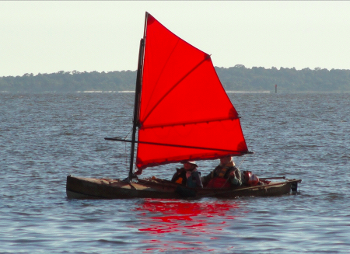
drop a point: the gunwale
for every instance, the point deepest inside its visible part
(104, 188)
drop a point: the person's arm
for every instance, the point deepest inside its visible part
(207, 178)
(235, 177)
(198, 180)
(176, 175)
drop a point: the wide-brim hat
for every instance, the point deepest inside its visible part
(190, 162)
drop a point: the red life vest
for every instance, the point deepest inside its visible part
(220, 180)
(219, 183)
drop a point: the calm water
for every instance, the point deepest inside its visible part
(45, 137)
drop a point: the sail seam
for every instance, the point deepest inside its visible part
(161, 73)
(176, 85)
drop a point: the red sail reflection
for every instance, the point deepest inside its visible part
(194, 219)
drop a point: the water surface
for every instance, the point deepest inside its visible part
(45, 137)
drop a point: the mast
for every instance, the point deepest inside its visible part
(137, 101)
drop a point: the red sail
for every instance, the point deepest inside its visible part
(183, 104)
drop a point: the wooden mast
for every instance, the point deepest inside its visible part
(137, 100)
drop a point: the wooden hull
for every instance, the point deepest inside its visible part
(93, 188)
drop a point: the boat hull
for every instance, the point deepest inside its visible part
(93, 188)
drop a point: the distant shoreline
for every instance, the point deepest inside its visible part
(237, 79)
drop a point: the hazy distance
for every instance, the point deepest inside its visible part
(47, 37)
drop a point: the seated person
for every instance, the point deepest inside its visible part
(225, 175)
(188, 175)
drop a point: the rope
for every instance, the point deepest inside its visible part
(125, 153)
(244, 157)
(225, 182)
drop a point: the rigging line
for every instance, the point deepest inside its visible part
(161, 72)
(244, 157)
(176, 84)
(125, 155)
(128, 133)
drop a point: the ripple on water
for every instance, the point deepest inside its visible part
(47, 137)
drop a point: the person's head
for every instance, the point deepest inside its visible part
(225, 160)
(189, 165)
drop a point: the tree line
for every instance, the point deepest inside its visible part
(237, 78)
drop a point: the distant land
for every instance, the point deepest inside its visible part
(237, 78)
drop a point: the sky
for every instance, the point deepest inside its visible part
(51, 36)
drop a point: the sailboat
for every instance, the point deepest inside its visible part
(181, 113)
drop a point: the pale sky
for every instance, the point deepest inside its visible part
(47, 37)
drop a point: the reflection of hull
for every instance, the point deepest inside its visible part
(79, 187)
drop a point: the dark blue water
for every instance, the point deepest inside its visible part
(45, 137)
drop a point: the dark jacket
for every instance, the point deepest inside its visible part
(192, 180)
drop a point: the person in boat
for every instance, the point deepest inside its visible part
(225, 175)
(188, 175)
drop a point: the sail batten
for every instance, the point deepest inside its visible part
(183, 103)
(175, 124)
(237, 153)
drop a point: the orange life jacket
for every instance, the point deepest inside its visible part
(179, 180)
